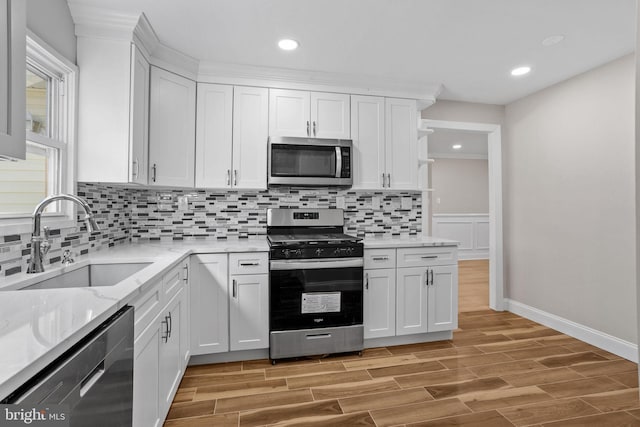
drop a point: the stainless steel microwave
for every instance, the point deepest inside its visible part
(310, 162)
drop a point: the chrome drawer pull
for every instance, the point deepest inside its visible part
(380, 258)
(429, 256)
(249, 264)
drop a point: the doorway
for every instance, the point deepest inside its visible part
(492, 133)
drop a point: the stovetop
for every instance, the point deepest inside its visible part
(311, 239)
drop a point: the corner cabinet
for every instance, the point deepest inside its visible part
(172, 124)
(231, 137)
(13, 25)
(309, 114)
(410, 291)
(385, 139)
(229, 302)
(113, 113)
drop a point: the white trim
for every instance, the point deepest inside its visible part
(468, 229)
(407, 339)
(584, 333)
(496, 257)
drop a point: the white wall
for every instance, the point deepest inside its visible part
(51, 21)
(460, 186)
(465, 112)
(569, 209)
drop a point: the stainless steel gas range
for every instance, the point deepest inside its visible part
(316, 284)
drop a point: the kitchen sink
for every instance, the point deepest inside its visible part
(90, 276)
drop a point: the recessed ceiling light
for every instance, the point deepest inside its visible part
(456, 146)
(520, 71)
(551, 40)
(288, 44)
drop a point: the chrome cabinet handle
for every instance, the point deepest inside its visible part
(426, 279)
(228, 176)
(235, 177)
(186, 273)
(170, 324)
(314, 128)
(429, 256)
(431, 277)
(235, 286)
(308, 134)
(383, 181)
(154, 169)
(366, 281)
(389, 180)
(380, 258)
(134, 166)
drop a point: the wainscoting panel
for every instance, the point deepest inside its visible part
(471, 230)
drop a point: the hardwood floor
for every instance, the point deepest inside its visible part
(499, 370)
(473, 285)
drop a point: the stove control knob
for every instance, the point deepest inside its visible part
(297, 252)
(319, 251)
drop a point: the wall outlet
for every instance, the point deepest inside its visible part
(375, 203)
(406, 203)
(340, 202)
(183, 203)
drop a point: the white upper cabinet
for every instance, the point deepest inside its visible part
(214, 135)
(401, 135)
(231, 136)
(172, 124)
(113, 115)
(250, 134)
(367, 132)
(13, 24)
(309, 114)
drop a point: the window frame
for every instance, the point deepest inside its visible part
(43, 57)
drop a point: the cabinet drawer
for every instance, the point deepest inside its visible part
(172, 282)
(249, 263)
(379, 258)
(425, 256)
(146, 307)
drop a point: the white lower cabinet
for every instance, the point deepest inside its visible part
(229, 302)
(410, 291)
(209, 304)
(249, 312)
(379, 303)
(159, 349)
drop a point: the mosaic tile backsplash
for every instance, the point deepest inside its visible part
(140, 215)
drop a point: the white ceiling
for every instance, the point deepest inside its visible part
(468, 46)
(474, 144)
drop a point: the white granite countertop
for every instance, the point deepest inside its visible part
(37, 326)
(406, 242)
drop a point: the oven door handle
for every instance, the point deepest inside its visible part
(316, 264)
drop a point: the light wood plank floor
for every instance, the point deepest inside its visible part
(499, 370)
(473, 285)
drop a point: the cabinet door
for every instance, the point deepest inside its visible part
(146, 365)
(411, 301)
(250, 133)
(249, 312)
(330, 115)
(13, 25)
(442, 300)
(171, 371)
(380, 303)
(172, 126)
(139, 118)
(214, 136)
(367, 132)
(209, 304)
(401, 133)
(289, 113)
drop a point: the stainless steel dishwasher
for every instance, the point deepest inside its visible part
(93, 379)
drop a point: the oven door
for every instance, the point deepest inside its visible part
(307, 294)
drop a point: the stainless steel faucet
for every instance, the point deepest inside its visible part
(40, 245)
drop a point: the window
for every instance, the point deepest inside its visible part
(49, 111)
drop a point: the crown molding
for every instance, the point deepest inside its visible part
(175, 61)
(458, 156)
(213, 72)
(92, 21)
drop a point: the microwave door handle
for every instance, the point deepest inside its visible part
(338, 162)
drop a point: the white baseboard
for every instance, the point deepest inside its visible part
(407, 339)
(584, 333)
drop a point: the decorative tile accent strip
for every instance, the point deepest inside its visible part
(145, 214)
